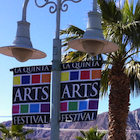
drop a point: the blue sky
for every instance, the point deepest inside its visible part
(42, 32)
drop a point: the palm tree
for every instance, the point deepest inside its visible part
(121, 70)
(92, 134)
(6, 134)
(16, 132)
(19, 132)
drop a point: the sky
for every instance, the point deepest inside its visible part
(42, 32)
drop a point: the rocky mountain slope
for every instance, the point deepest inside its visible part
(71, 129)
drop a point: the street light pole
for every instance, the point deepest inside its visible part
(56, 68)
(56, 78)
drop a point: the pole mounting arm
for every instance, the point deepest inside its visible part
(53, 8)
(24, 10)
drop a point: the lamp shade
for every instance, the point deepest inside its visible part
(22, 48)
(93, 41)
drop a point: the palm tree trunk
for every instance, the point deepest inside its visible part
(118, 102)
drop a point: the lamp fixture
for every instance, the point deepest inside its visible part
(22, 48)
(93, 41)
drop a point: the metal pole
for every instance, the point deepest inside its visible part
(94, 5)
(119, 5)
(56, 78)
(24, 10)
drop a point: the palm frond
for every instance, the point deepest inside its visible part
(137, 11)
(133, 71)
(91, 134)
(72, 30)
(104, 82)
(110, 12)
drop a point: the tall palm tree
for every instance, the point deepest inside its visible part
(121, 70)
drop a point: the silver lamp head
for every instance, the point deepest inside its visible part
(22, 48)
(93, 41)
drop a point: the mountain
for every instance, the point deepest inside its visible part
(133, 127)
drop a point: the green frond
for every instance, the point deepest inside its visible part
(110, 12)
(6, 133)
(70, 33)
(104, 82)
(79, 138)
(133, 71)
(74, 57)
(101, 135)
(72, 30)
(126, 12)
(137, 11)
(91, 134)
(83, 133)
(15, 132)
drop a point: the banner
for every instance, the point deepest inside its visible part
(31, 95)
(80, 84)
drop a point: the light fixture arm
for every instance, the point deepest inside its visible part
(24, 10)
(53, 8)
